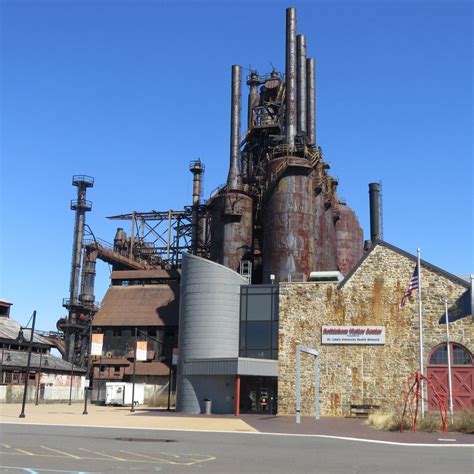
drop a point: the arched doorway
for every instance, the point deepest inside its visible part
(462, 374)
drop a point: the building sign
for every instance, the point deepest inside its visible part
(141, 350)
(96, 344)
(353, 335)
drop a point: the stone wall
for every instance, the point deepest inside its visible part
(364, 374)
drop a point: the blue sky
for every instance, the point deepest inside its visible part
(131, 91)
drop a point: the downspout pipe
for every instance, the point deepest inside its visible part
(311, 98)
(233, 178)
(290, 77)
(302, 82)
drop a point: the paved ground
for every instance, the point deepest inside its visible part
(152, 418)
(42, 449)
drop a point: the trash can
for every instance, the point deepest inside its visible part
(207, 406)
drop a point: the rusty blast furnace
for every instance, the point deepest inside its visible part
(277, 218)
(279, 213)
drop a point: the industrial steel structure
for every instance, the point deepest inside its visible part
(277, 218)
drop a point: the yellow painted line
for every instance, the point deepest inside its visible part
(148, 457)
(24, 452)
(67, 455)
(6, 445)
(103, 454)
(206, 458)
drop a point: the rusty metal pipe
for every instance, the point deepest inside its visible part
(311, 101)
(301, 86)
(290, 73)
(234, 178)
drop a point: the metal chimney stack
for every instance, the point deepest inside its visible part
(253, 82)
(290, 72)
(233, 178)
(73, 304)
(197, 169)
(311, 105)
(302, 99)
(375, 212)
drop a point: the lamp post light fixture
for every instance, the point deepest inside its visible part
(28, 362)
(39, 379)
(70, 383)
(86, 388)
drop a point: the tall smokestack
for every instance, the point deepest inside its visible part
(253, 82)
(197, 169)
(375, 212)
(80, 206)
(302, 100)
(233, 178)
(290, 72)
(311, 105)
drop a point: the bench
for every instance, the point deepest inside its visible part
(363, 411)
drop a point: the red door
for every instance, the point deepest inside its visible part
(462, 375)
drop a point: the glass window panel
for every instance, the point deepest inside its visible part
(243, 307)
(440, 356)
(275, 336)
(275, 307)
(259, 335)
(461, 356)
(259, 308)
(259, 354)
(243, 327)
(257, 290)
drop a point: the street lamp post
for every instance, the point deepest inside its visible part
(86, 389)
(134, 370)
(39, 379)
(70, 383)
(25, 389)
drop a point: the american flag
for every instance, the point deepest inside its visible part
(412, 286)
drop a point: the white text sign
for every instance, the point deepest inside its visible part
(353, 335)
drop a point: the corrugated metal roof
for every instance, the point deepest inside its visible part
(19, 359)
(9, 329)
(147, 305)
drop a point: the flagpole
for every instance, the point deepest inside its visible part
(450, 382)
(420, 321)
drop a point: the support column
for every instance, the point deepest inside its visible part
(237, 395)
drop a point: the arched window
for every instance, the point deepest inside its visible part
(459, 355)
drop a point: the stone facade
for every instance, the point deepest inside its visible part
(365, 374)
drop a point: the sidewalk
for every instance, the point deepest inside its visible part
(143, 417)
(155, 418)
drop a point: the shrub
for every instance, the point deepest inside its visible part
(463, 422)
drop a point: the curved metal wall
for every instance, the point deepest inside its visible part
(208, 324)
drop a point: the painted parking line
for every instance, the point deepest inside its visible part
(164, 461)
(103, 454)
(178, 459)
(187, 460)
(66, 455)
(24, 452)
